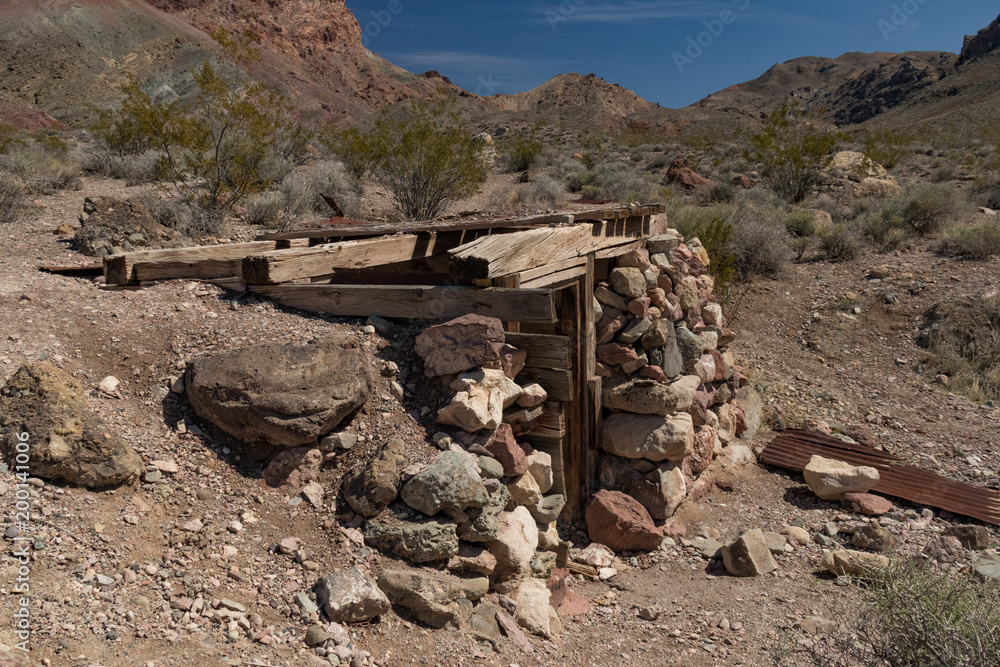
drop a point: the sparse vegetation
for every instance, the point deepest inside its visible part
(40, 171)
(963, 339)
(977, 242)
(792, 152)
(910, 616)
(12, 194)
(422, 153)
(521, 151)
(839, 243)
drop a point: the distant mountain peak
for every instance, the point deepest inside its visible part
(985, 41)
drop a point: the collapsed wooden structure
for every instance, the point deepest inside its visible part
(535, 274)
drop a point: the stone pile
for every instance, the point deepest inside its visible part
(483, 507)
(673, 396)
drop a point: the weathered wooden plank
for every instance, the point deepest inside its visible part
(360, 229)
(587, 370)
(280, 266)
(216, 261)
(543, 351)
(425, 302)
(558, 384)
(518, 252)
(549, 269)
(558, 278)
(571, 322)
(554, 416)
(616, 251)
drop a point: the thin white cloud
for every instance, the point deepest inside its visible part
(457, 61)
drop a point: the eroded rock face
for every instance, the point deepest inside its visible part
(283, 394)
(480, 400)
(417, 542)
(67, 441)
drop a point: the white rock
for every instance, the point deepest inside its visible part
(480, 400)
(705, 368)
(740, 455)
(169, 467)
(532, 395)
(514, 546)
(533, 607)
(596, 555)
(524, 490)
(540, 467)
(830, 479)
(649, 436)
(109, 385)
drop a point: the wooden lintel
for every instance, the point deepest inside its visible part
(426, 302)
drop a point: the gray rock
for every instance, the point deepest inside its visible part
(548, 509)
(988, 568)
(775, 542)
(660, 490)
(874, 537)
(491, 468)
(753, 410)
(648, 436)
(976, 538)
(689, 347)
(370, 490)
(350, 596)
(629, 282)
(306, 605)
(749, 555)
(482, 524)
(67, 440)
(634, 330)
(483, 622)
(648, 397)
(287, 395)
(707, 547)
(460, 344)
(451, 483)
(434, 599)
(418, 542)
(338, 442)
(316, 635)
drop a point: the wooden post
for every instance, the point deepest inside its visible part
(589, 434)
(570, 321)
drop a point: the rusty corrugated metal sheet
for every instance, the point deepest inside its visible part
(793, 449)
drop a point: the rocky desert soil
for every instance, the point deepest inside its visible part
(115, 574)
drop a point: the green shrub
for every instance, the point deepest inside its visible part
(263, 209)
(10, 137)
(979, 242)
(910, 616)
(929, 208)
(884, 229)
(423, 154)
(839, 243)
(800, 245)
(12, 199)
(591, 150)
(721, 192)
(521, 151)
(801, 224)
(792, 153)
(886, 147)
(711, 227)
(542, 192)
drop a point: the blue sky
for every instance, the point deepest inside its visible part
(669, 51)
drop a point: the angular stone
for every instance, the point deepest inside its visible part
(610, 298)
(752, 405)
(702, 452)
(874, 537)
(505, 449)
(987, 568)
(664, 243)
(350, 596)
(285, 394)
(634, 331)
(480, 400)
(460, 344)
(433, 598)
(976, 538)
(490, 468)
(660, 491)
(67, 440)
(483, 622)
(690, 347)
(616, 354)
(540, 467)
(650, 437)
(610, 324)
(640, 307)
(295, 466)
(514, 546)
(649, 397)
(687, 292)
(629, 282)
(711, 313)
(866, 503)
(855, 563)
(524, 490)
(511, 362)
(621, 523)
(632, 366)
(482, 524)
(370, 490)
(473, 559)
(417, 542)
(749, 555)
(451, 483)
(548, 509)
(532, 395)
(776, 543)
(534, 613)
(830, 479)
(727, 423)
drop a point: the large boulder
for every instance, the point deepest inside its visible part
(752, 406)
(830, 479)
(681, 174)
(534, 613)
(433, 598)
(649, 436)
(350, 596)
(451, 483)
(370, 489)
(418, 542)
(65, 440)
(284, 394)
(460, 344)
(621, 523)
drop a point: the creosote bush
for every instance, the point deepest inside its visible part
(839, 243)
(977, 242)
(521, 151)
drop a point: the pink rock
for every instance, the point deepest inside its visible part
(505, 449)
(297, 467)
(696, 267)
(460, 344)
(532, 395)
(511, 361)
(616, 354)
(658, 298)
(720, 366)
(602, 371)
(563, 600)
(639, 307)
(683, 253)
(513, 632)
(704, 449)
(621, 523)
(654, 373)
(665, 284)
(674, 530)
(866, 503)
(610, 323)
(704, 398)
(674, 310)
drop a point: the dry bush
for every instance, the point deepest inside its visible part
(963, 339)
(133, 168)
(263, 209)
(979, 242)
(42, 172)
(543, 192)
(12, 199)
(985, 191)
(301, 191)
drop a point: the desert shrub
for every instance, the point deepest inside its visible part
(133, 168)
(12, 199)
(10, 137)
(884, 229)
(263, 209)
(301, 191)
(792, 153)
(943, 173)
(800, 223)
(542, 192)
(886, 147)
(658, 162)
(721, 192)
(759, 241)
(985, 191)
(41, 172)
(800, 246)
(929, 208)
(212, 147)
(712, 227)
(592, 150)
(423, 154)
(838, 212)
(620, 182)
(839, 243)
(979, 242)
(910, 616)
(520, 151)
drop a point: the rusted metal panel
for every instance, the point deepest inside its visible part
(793, 449)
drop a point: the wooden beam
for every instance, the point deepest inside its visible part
(616, 251)
(587, 371)
(200, 262)
(559, 278)
(279, 266)
(426, 302)
(520, 252)
(543, 351)
(558, 384)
